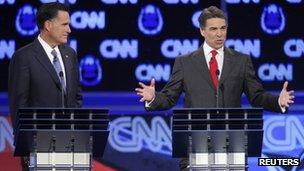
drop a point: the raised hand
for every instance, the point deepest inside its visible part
(286, 97)
(147, 92)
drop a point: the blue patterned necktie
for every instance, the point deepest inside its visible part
(58, 68)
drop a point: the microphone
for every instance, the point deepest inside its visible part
(62, 88)
(217, 72)
(217, 89)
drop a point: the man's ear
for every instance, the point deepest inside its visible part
(47, 25)
(202, 31)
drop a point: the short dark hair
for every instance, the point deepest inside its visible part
(210, 12)
(49, 11)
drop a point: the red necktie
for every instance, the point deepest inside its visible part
(213, 69)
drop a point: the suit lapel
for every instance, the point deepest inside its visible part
(227, 66)
(42, 57)
(199, 61)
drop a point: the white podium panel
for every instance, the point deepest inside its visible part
(217, 161)
(60, 161)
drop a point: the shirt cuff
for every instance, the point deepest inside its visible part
(283, 109)
(148, 104)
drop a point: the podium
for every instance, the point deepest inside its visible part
(61, 138)
(217, 139)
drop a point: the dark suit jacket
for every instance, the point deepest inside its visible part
(191, 75)
(33, 81)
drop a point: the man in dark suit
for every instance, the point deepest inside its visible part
(45, 73)
(213, 76)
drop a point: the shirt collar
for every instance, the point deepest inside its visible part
(46, 46)
(208, 49)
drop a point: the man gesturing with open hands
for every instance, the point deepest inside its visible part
(213, 76)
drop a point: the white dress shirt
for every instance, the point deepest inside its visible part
(48, 49)
(219, 57)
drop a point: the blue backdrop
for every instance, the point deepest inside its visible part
(121, 42)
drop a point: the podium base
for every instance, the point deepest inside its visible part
(60, 161)
(217, 161)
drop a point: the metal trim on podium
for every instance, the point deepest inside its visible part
(61, 138)
(217, 139)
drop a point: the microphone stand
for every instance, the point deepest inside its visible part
(62, 88)
(222, 90)
(217, 89)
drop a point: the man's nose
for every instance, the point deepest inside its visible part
(69, 29)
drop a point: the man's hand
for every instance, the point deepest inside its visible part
(146, 92)
(286, 97)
